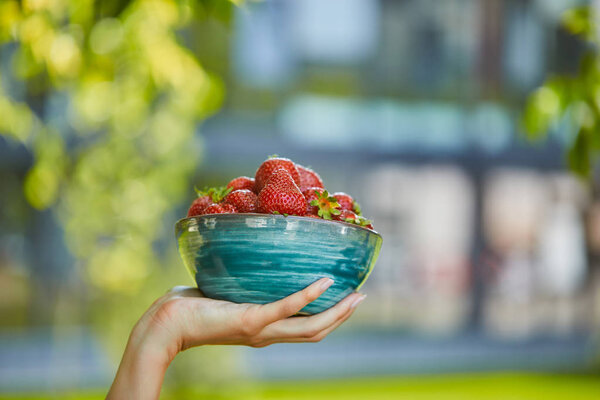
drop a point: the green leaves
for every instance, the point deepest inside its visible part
(363, 221)
(571, 101)
(328, 205)
(579, 21)
(360, 221)
(216, 193)
(579, 155)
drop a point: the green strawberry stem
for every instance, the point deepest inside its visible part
(360, 221)
(363, 221)
(328, 205)
(216, 194)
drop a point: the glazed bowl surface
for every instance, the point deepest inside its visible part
(261, 258)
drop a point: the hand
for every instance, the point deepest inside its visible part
(183, 318)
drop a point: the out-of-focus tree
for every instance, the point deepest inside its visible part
(107, 99)
(572, 102)
(109, 102)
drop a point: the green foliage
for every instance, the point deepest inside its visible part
(574, 99)
(134, 97)
(579, 21)
(118, 152)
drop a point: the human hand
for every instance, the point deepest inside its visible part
(182, 318)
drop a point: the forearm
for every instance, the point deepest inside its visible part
(142, 369)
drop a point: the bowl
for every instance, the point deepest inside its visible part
(261, 258)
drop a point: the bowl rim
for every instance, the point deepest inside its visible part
(318, 220)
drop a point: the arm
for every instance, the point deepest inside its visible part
(182, 319)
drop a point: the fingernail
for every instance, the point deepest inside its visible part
(328, 282)
(358, 301)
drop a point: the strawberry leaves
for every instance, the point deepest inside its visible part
(363, 221)
(216, 194)
(328, 205)
(356, 209)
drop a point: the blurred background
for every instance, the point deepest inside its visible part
(467, 129)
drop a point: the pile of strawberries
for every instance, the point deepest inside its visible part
(279, 186)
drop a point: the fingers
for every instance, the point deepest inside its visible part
(269, 313)
(309, 326)
(320, 335)
(310, 329)
(333, 327)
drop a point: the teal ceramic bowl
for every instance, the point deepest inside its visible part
(261, 258)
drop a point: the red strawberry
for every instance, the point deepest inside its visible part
(199, 205)
(312, 194)
(327, 205)
(345, 200)
(281, 195)
(228, 208)
(308, 178)
(242, 182)
(352, 218)
(243, 200)
(347, 216)
(266, 169)
(215, 208)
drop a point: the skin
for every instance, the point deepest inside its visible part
(183, 318)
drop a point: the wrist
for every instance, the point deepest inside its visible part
(151, 341)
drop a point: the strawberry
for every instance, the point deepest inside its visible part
(243, 200)
(312, 194)
(215, 208)
(228, 208)
(281, 195)
(352, 218)
(327, 205)
(199, 205)
(347, 216)
(205, 198)
(345, 200)
(308, 178)
(242, 182)
(266, 169)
